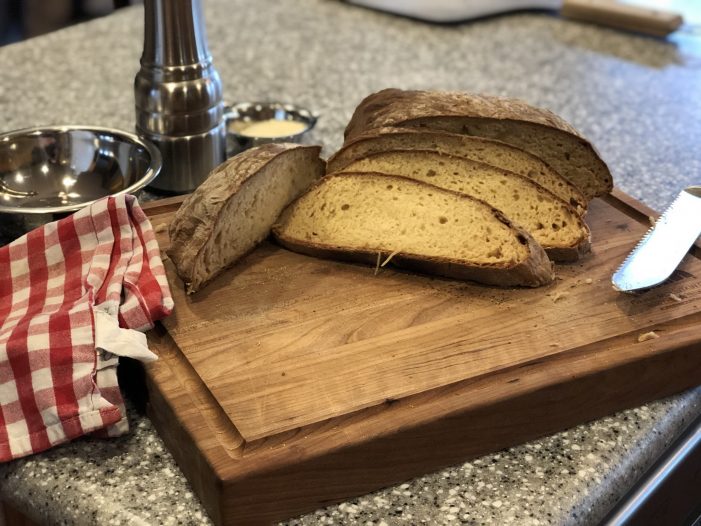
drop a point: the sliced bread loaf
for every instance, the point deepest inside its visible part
(489, 151)
(552, 222)
(233, 210)
(375, 217)
(513, 121)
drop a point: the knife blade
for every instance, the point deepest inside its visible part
(661, 250)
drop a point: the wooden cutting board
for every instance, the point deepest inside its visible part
(292, 382)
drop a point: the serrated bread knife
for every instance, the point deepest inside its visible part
(661, 250)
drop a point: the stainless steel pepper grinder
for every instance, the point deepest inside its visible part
(179, 95)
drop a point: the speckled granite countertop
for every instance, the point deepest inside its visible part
(636, 98)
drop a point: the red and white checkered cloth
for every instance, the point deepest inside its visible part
(71, 294)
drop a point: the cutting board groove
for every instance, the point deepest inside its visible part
(291, 382)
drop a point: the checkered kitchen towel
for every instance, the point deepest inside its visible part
(74, 294)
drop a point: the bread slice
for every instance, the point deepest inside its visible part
(513, 121)
(233, 210)
(488, 151)
(552, 222)
(373, 218)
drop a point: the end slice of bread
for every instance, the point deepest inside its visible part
(234, 209)
(489, 151)
(513, 121)
(552, 222)
(373, 217)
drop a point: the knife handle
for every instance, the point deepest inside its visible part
(623, 16)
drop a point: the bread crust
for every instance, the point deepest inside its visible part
(194, 222)
(391, 106)
(529, 273)
(405, 108)
(341, 158)
(536, 270)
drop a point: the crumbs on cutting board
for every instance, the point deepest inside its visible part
(675, 297)
(652, 335)
(557, 296)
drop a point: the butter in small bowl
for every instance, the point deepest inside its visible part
(272, 128)
(251, 124)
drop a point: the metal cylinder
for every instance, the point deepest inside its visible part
(178, 95)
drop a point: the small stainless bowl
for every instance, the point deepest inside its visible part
(47, 172)
(239, 116)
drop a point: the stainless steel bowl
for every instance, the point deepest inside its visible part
(60, 169)
(49, 172)
(237, 116)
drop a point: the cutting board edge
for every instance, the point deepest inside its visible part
(586, 360)
(206, 483)
(218, 483)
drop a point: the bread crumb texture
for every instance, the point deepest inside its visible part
(552, 222)
(488, 151)
(380, 219)
(392, 215)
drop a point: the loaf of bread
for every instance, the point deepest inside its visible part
(233, 210)
(373, 218)
(513, 121)
(552, 222)
(487, 151)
